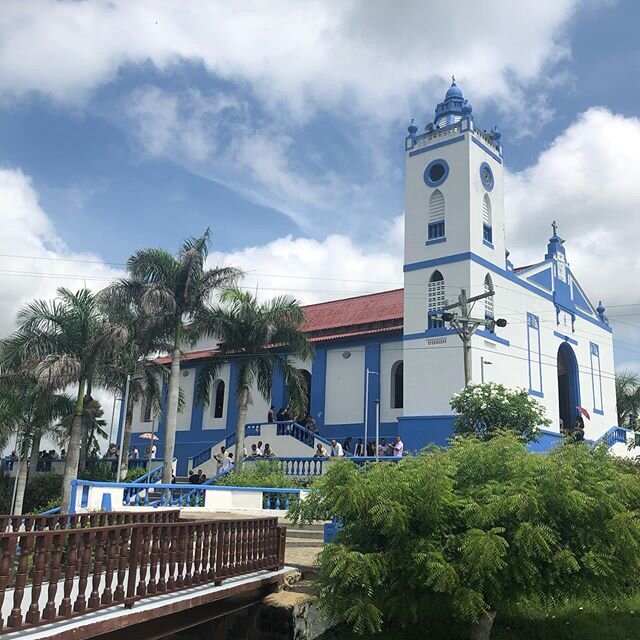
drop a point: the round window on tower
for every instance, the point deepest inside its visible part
(486, 175)
(436, 173)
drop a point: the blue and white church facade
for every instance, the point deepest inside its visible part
(391, 352)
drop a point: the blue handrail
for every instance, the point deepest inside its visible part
(612, 436)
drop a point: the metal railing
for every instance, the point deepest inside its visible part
(88, 569)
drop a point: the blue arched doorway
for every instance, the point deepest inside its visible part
(568, 386)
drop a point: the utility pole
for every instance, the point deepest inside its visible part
(465, 325)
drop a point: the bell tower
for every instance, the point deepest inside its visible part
(454, 226)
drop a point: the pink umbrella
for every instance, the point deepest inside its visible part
(148, 436)
(584, 412)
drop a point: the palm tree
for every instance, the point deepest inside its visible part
(67, 341)
(28, 410)
(627, 397)
(261, 336)
(145, 377)
(173, 290)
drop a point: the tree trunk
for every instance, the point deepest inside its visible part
(73, 451)
(172, 408)
(243, 402)
(35, 451)
(126, 439)
(481, 630)
(23, 470)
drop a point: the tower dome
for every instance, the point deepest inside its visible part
(453, 108)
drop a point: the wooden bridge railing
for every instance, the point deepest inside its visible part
(84, 520)
(56, 574)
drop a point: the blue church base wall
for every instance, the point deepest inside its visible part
(418, 432)
(548, 440)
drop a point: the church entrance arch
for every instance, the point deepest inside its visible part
(568, 386)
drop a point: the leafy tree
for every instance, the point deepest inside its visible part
(472, 530)
(144, 339)
(173, 290)
(67, 341)
(27, 410)
(262, 337)
(485, 410)
(628, 398)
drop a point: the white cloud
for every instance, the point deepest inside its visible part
(28, 231)
(315, 271)
(376, 56)
(587, 181)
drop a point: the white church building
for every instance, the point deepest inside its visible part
(391, 352)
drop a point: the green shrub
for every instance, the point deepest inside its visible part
(42, 490)
(264, 473)
(99, 470)
(134, 474)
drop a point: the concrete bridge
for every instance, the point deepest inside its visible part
(132, 575)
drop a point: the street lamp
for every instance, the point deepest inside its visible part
(483, 362)
(366, 403)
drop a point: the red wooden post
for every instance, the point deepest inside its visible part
(8, 550)
(123, 562)
(133, 560)
(98, 563)
(49, 612)
(155, 554)
(40, 551)
(173, 556)
(112, 553)
(86, 539)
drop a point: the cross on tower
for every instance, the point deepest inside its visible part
(554, 226)
(453, 79)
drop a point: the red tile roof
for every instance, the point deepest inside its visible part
(338, 319)
(361, 310)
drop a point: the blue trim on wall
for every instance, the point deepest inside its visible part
(533, 325)
(543, 279)
(459, 257)
(600, 413)
(487, 184)
(318, 385)
(548, 440)
(419, 431)
(486, 243)
(562, 336)
(427, 178)
(429, 333)
(278, 394)
(497, 158)
(578, 298)
(437, 145)
(492, 336)
(537, 394)
(436, 241)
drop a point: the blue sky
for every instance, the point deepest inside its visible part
(280, 125)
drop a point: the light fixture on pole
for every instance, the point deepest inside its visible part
(483, 363)
(366, 403)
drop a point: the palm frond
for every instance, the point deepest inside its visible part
(153, 266)
(207, 375)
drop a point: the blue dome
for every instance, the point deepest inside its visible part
(454, 91)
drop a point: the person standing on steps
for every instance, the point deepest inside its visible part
(336, 449)
(271, 415)
(398, 448)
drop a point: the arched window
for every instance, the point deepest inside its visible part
(218, 401)
(487, 231)
(435, 299)
(488, 302)
(436, 216)
(397, 372)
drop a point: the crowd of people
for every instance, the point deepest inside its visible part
(391, 449)
(285, 415)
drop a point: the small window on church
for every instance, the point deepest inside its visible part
(146, 409)
(488, 302)
(436, 216)
(218, 400)
(397, 373)
(435, 299)
(487, 230)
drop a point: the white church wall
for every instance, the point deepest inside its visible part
(258, 409)
(390, 353)
(455, 190)
(344, 396)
